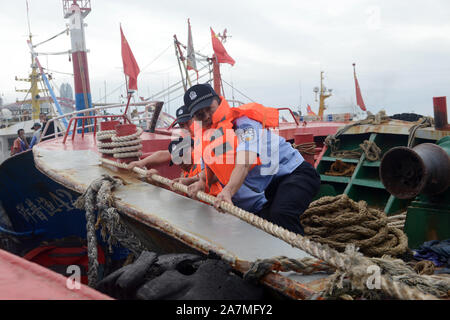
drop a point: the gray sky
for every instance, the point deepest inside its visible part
(401, 48)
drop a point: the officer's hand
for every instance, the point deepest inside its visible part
(133, 164)
(195, 187)
(224, 195)
(185, 181)
(151, 172)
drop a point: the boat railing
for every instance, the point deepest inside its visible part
(86, 119)
(292, 114)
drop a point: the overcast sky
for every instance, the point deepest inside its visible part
(401, 48)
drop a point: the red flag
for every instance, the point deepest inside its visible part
(130, 67)
(359, 98)
(310, 112)
(219, 50)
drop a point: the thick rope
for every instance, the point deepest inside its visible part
(98, 197)
(422, 123)
(338, 221)
(332, 141)
(305, 148)
(118, 144)
(369, 148)
(352, 262)
(305, 266)
(121, 147)
(341, 169)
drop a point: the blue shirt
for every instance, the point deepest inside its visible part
(278, 158)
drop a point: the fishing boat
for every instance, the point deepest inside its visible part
(39, 189)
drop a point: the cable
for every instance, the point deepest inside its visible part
(53, 53)
(64, 31)
(69, 74)
(124, 84)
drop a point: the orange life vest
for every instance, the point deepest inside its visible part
(219, 149)
(195, 170)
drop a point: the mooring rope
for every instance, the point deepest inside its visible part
(422, 123)
(338, 221)
(305, 148)
(98, 197)
(369, 148)
(352, 263)
(304, 266)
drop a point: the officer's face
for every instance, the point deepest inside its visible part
(205, 115)
(185, 125)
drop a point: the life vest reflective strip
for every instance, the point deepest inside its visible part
(224, 149)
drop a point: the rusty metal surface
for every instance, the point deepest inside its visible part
(194, 223)
(407, 172)
(399, 127)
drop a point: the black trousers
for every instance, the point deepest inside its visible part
(289, 196)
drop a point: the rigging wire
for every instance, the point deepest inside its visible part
(54, 71)
(239, 91)
(124, 83)
(53, 53)
(64, 31)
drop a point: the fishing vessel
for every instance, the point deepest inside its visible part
(39, 189)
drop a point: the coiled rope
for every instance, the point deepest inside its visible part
(338, 221)
(120, 147)
(305, 148)
(372, 151)
(351, 263)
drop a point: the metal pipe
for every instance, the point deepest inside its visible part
(440, 113)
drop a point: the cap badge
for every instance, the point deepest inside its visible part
(193, 95)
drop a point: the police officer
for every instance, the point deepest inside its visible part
(268, 177)
(164, 156)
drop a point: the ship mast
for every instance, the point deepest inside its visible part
(324, 94)
(76, 11)
(33, 79)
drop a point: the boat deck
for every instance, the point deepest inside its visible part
(192, 223)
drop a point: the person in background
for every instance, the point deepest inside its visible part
(20, 144)
(43, 119)
(36, 135)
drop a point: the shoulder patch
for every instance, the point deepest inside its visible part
(247, 134)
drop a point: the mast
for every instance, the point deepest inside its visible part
(34, 91)
(182, 59)
(324, 94)
(76, 11)
(216, 75)
(33, 78)
(175, 44)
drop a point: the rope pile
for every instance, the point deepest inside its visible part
(351, 263)
(369, 148)
(338, 221)
(397, 221)
(120, 147)
(98, 197)
(341, 169)
(305, 148)
(372, 152)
